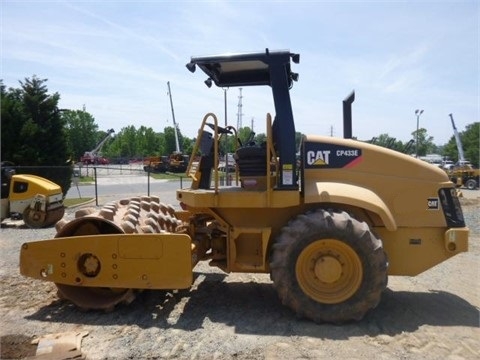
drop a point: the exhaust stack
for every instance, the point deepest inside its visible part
(347, 115)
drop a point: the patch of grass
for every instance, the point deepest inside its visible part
(76, 201)
(86, 179)
(163, 176)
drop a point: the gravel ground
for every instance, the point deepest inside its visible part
(238, 316)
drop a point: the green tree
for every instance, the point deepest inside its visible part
(384, 140)
(13, 119)
(425, 143)
(389, 142)
(43, 132)
(33, 132)
(470, 143)
(187, 145)
(81, 131)
(260, 138)
(470, 139)
(127, 142)
(131, 142)
(115, 148)
(244, 135)
(170, 145)
(147, 141)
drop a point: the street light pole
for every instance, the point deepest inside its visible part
(417, 113)
(225, 144)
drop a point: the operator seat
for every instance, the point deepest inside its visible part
(252, 160)
(207, 160)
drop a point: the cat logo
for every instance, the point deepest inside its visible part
(331, 156)
(432, 203)
(318, 158)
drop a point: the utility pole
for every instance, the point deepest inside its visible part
(417, 113)
(225, 141)
(239, 113)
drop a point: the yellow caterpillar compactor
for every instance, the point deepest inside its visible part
(36, 200)
(329, 226)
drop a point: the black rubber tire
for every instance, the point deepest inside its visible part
(323, 226)
(471, 184)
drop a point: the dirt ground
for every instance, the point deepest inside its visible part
(432, 316)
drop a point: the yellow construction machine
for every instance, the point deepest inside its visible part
(36, 200)
(329, 226)
(464, 175)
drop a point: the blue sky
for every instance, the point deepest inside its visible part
(115, 58)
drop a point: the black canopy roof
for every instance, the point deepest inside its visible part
(244, 69)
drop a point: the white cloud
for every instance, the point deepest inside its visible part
(116, 57)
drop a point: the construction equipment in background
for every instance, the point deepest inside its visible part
(176, 162)
(462, 173)
(329, 229)
(458, 141)
(464, 176)
(35, 200)
(155, 164)
(408, 146)
(177, 143)
(93, 157)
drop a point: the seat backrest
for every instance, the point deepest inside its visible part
(206, 161)
(252, 160)
(206, 143)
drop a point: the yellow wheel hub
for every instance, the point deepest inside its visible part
(329, 271)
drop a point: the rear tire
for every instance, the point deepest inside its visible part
(328, 267)
(471, 184)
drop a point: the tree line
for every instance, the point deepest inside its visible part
(35, 132)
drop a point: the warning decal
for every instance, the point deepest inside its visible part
(330, 156)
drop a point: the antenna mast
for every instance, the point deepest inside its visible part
(239, 113)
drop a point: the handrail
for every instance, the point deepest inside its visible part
(270, 153)
(229, 128)
(191, 170)
(197, 145)
(215, 150)
(270, 146)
